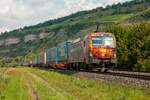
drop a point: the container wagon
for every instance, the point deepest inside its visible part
(63, 54)
(53, 57)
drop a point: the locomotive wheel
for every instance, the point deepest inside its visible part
(89, 67)
(84, 67)
(103, 69)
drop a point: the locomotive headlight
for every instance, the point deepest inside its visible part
(103, 50)
(103, 54)
(114, 55)
(91, 54)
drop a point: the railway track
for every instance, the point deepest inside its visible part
(137, 75)
(129, 74)
(123, 77)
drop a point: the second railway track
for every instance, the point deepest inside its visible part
(137, 75)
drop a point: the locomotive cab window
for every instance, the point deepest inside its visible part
(105, 40)
(97, 41)
(108, 41)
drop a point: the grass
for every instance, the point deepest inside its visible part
(117, 18)
(141, 16)
(51, 85)
(12, 87)
(96, 18)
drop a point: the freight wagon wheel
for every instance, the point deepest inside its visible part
(77, 66)
(86, 67)
(68, 66)
(74, 66)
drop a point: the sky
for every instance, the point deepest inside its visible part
(19, 13)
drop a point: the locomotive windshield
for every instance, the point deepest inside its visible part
(97, 41)
(108, 41)
(105, 40)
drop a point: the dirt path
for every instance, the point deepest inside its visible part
(32, 91)
(47, 84)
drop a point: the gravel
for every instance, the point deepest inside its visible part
(133, 73)
(114, 79)
(110, 78)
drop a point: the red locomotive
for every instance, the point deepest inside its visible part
(96, 50)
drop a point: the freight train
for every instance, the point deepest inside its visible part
(96, 50)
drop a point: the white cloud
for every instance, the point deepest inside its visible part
(3, 29)
(4, 6)
(19, 13)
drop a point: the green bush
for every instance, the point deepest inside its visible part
(143, 65)
(133, 45)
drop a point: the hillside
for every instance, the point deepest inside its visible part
(140, 16)
(47, 34)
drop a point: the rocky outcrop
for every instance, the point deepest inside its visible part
(12, 40)
(30, 37)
